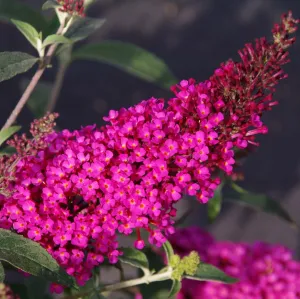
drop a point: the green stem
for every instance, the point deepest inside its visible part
(127, 284)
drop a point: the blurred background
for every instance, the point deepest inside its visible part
(193, 37)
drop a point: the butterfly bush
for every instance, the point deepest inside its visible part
(263, 270)
(74, 191)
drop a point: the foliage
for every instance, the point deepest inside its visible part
(130, 58)
(14, 63)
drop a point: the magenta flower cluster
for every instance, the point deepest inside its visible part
(264, 271)
(75, 194)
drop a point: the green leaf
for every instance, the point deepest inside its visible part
(30, 257)
(262, 202)
(28, 31)
(19, 10)
(50, 4)
(214, 204)
(14, 63)
(81, 28)
(168, 250)
(129, 58)
(176, 286)
(55, 39)
(38, 100)
(7, 133)
(207, 272)
(2, 273)
(134, 257)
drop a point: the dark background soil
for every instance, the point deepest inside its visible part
(193, 37)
